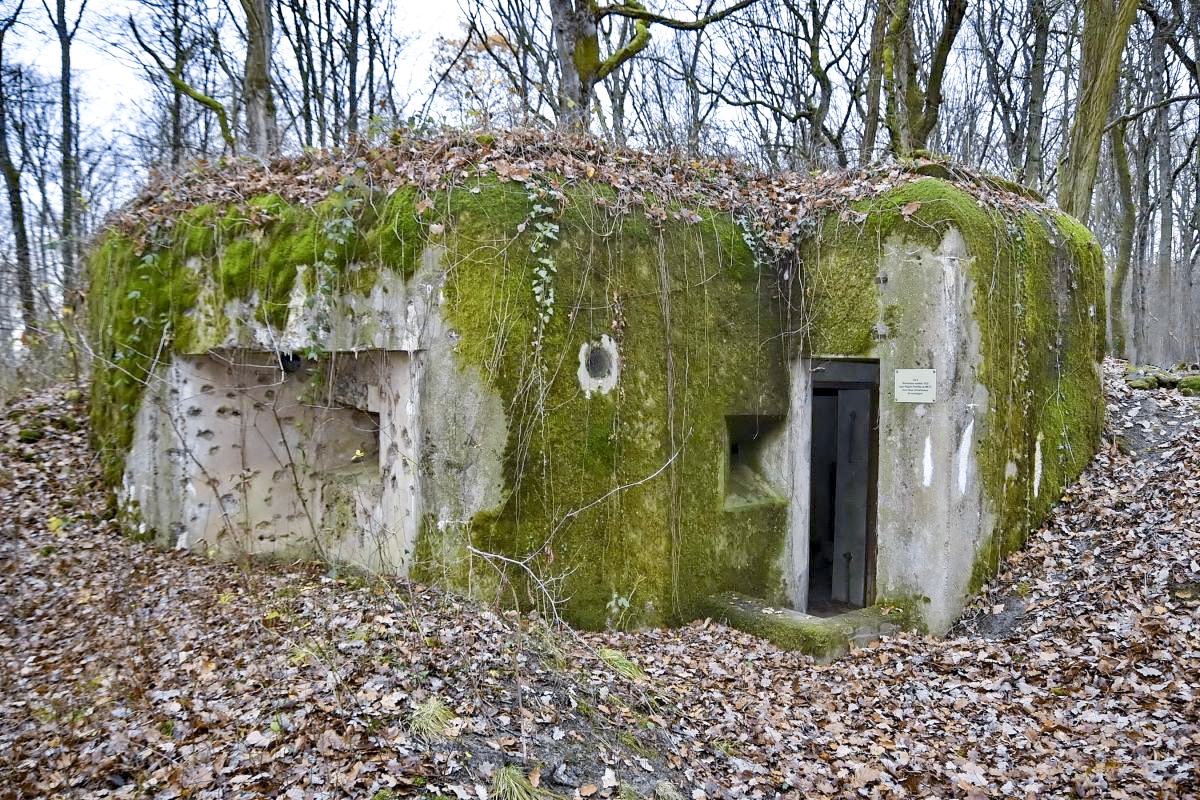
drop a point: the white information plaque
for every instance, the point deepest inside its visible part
(916, 385)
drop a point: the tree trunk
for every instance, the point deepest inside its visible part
(912, 112)
(1031, 171)
(1167, 301)
(1105, 30)
(1125, 225)
(262, 133)
(874, 84)
(176, 109)
(1143, 222)
(65, 32)
(897, 56)
(16, 215)
(351, 50)
(578, 45)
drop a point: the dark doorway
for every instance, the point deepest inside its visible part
(842, 486)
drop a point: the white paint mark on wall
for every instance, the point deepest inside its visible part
(964, 455)
(928, 462)
(1037, 465)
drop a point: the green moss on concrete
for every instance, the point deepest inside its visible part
(616, 497)
(157, 290)
(1040, 367)
(616, 500)
(198, 232)
(132, 323)
(1038, 302)
(824, 638)
(398, 237)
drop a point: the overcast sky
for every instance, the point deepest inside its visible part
(111, 86)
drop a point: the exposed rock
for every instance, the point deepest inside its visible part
(1184, 377)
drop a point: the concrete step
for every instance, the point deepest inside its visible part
(824, 638)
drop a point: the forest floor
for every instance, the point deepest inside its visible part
(126, 671)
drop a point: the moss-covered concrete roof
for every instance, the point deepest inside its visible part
(780, 206)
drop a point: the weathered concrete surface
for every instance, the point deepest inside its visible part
(1016, 412)
(931, 499)
(823, 638)
(242, 451)
(642, 442)
(931, 512)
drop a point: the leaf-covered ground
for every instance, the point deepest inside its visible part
(130, 672)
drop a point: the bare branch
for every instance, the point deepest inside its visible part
(636, 12)
(183, 86)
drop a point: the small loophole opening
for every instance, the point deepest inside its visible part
(598, 363)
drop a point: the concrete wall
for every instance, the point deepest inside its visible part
(243, 450)
(930, 507)
(438, 418)
(938, 511)
(932, 518)
(234, 454)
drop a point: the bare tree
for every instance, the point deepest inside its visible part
(339, 65)
(262, 131)
(1105, 30)
(11, 168)
(800, 90)
(912, 109)
(1014, 47)
(65, 29)
(171, 26)
(578, 48)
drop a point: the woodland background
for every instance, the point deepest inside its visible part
(1094, 104)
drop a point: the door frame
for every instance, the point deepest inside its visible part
(829, 373)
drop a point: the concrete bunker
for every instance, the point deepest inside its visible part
(623, 400)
